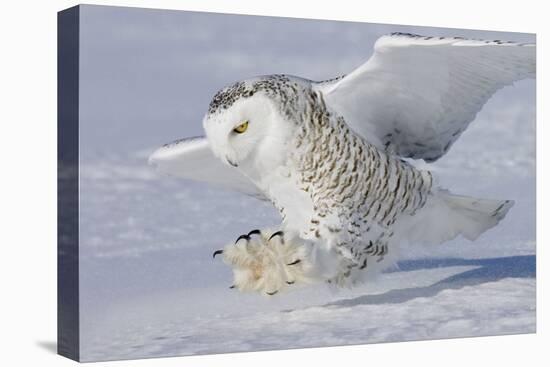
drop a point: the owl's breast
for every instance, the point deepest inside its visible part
(294, 203)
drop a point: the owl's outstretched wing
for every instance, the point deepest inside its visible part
(193, 159)
(418, 94)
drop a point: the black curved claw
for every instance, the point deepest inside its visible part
(295, 262)
(245, 236)
(290, 283)
(217, 252)
(278, 233)
(232, 287)
(254, 231)
(271, 293)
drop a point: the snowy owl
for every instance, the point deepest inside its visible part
(337, 158)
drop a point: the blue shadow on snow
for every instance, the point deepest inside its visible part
(489, 270)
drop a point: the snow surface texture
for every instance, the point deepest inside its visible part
(149, 286)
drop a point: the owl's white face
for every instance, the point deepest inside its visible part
(250, 135)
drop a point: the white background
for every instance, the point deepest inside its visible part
(28, 202)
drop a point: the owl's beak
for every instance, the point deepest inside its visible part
(231, 162)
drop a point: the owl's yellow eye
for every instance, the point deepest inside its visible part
(241, 128)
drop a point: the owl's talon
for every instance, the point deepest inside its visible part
(278, 233)
(217, 252)
(245, 236)
(254, 231)
(268, 269)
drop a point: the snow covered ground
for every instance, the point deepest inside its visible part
(149, 286)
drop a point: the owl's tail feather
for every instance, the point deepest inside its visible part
(475, 216)
(446, 216)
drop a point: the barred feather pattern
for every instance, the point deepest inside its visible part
(358, 192)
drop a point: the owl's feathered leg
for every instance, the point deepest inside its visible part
(268, 261)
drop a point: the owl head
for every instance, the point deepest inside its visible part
(245, 128)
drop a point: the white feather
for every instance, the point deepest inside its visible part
(424, 91)
(193, 159)
(447, 216)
